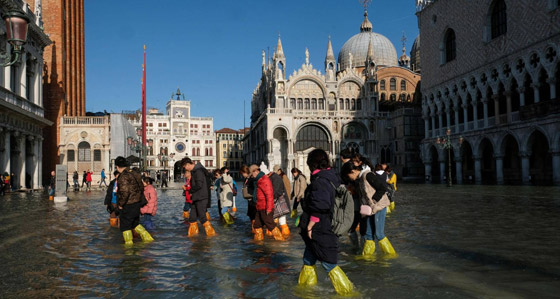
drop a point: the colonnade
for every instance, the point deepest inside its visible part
(22, 155)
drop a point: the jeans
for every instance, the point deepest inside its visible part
(375, 223)
(187, 207)
(224, 210)
(310, 259)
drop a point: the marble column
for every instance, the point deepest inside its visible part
(440, 121)
(477, 170)
(448, 115)
(6, 153)
(508, 106)
(40, 160)
(485, 102)
(499, 169)
(521, 91)
(459, 170)
(456, 118)
(556, 168)
(496, 109)
(465, 117)
(433, 126)
(428, 170)
(442, 173)
(475, 115)
(536, 92)
(36, 181)
(525, 166)
(426, 127)
(23, 160)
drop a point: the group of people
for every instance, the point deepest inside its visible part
(271, 198)
(7, 183)
(87, 180)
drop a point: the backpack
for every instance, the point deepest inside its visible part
(342, 213)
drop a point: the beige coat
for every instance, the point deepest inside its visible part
(226, 194)
(367, 195)
(300, 184)
(287, 186)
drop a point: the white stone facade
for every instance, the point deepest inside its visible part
(21, 105)
(491, 72)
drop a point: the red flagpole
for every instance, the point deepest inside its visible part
(144, 142)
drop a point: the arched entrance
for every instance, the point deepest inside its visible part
(450, 155)
(512, 163)
(540, 160)
(488, 164)
(436, 173)
(310, 137)
(178, 171)
(280, 148)
(467, 163)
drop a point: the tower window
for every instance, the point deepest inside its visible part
(450, 46)
(393, 84)
(499, 18)
(382, 85)
(403, 85)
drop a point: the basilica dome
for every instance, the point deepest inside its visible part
(383, 50)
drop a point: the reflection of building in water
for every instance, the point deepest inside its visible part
(491, 73)
(365, 101)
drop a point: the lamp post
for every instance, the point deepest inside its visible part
(446, 143)
(16, 33)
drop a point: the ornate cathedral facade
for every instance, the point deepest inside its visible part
(364, 101)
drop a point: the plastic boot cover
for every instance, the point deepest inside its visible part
(388, 209)
(208, 216)
(392, 206)
(307, 276)
(253, 226)
(293, 214)
(114, 222)
(127, 236)
(341, 283)
(369, 247)
(209, 229)
(193, 229)
(285, 230)
(227, 218)
(268, 233)
(296, 223)
(277, 234)
(386, 246)
(186, 214)
(144, 234)
(259, 234)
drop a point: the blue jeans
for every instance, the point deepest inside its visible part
(310, 259)
(376, 223)
(224, 210)
(187, 207)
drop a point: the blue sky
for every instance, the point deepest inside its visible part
(211, 50)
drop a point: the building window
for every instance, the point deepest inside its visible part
(498, 18)
(293, 103)
(71, 155)
(97, 155)
(353, 105)
(225, 154)
(13, 78)
(403, 85)
(314, 104)
(393, 84)
(307, 106)
(382, 85)
(341, 106)
(84, 152)
(450, 46)
(300, 104)
(321, 104)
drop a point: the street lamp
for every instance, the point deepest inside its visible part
(16, 31)
(446, 143)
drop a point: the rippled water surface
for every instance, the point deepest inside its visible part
(459, 242)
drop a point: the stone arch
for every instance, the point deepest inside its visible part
(467, 161)
(306, 78)
(434, 155)
(279, 144)
(313, 134)
(509, 148)
(488, 166)
(540, 157)
(544, 86)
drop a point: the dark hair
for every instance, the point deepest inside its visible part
(318, 159)
(296, 170)
(186, 161)
(116, 172)
(282, 173)
(217, 171)
(378, 167)
(244, 169)
(362, 160)
(347, 153)
(388, 169)
(223, 169)
(148, 180)
(121, 161)
(347, 168)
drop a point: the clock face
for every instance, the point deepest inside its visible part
(180, 147)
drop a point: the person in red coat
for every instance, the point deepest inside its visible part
(88, 179)
(188, 199)
(265, 205)
(150, 209)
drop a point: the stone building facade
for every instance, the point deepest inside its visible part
(350, 105)
(22, 113)
(229, 149)
(490, 74)
(175, 134)
(85, 145)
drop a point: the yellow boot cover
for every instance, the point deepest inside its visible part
(285, 230)
(369, 248)
(293, 214)
(277, 234)
(193, 229)
(268, 233)
(259, 234)
(144, 234)
(307, 276)
(208, 216)
(209, 229)
(386, 246)
(340, 282)
(114, 222)
(186, 214)
(227, 218)
(392, 206)
(388, 209)
(127, 236)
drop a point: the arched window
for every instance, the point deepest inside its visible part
(450, 46)
(382, 85)
(71, 156)
(312, 136)
(353, 107)
(383, 97)
(341, 105)
(347, 104)
(97, 155)
(403, 85)
(300, 104)
(307, 104)
(293, 103)
(321, 104)
(393, 84)
(314, 104)
(393, 97)
(84, 152)
(359, 104)
(498, 18)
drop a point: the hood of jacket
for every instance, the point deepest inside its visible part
(328, 174)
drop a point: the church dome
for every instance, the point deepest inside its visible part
(383, 50)
(415, 56)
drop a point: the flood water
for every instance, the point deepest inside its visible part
(459, 242)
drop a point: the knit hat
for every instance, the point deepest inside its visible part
(276, 168)
(121, 161)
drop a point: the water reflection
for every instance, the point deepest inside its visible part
(460, 242)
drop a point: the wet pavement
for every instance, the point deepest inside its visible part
(459, 242)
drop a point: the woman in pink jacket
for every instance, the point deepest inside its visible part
(150, 209)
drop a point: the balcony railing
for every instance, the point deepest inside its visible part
(20, 102)
(85, 120)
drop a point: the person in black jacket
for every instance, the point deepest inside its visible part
(321, 243)
(111, 201)
(279, 190)
(200, 195)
